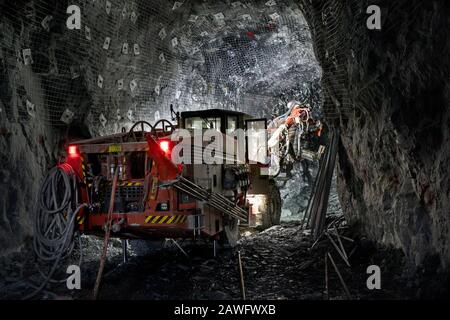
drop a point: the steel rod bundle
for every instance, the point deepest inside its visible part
(215, 200)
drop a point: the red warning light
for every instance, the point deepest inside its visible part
(73, 151)
(164, 145)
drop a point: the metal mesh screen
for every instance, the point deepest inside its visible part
(132, 59)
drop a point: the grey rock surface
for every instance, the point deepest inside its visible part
(388, 93)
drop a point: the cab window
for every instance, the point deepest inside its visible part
(232, 124)
(203, 123)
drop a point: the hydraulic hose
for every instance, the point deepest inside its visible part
(54, 222)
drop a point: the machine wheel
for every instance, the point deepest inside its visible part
(167, 126)
(273, 215)
(136, 136)
(231, 233)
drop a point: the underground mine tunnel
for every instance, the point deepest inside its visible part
(224, 150)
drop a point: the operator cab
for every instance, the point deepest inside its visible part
(227, 121)
(222, 120)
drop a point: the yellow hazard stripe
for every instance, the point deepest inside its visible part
(83, 171)
(166, 219)
(171, 219)
(80, 220)
(130, 184)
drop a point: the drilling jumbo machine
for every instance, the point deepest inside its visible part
(128, 184)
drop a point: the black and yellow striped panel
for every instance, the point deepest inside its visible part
(175, 219)
(83, 167)
(80, 219)
(125, 184)
(130, 184)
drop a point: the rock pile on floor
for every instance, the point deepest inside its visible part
(278, 264)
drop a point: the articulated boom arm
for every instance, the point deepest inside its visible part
(287, 132)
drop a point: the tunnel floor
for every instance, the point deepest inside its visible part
(278, 264)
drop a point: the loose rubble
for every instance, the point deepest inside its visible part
(278, 264)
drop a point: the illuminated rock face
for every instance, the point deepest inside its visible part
(383, 89)
(388, 92)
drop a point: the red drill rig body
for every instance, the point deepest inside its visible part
(156, 198)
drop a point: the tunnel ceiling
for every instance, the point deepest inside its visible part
(131, 60)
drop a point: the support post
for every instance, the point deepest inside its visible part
(107, 233)
(241, 274)
(125, 250)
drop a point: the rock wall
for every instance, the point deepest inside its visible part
(33, 95)
(24, 144)
(390, 92)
